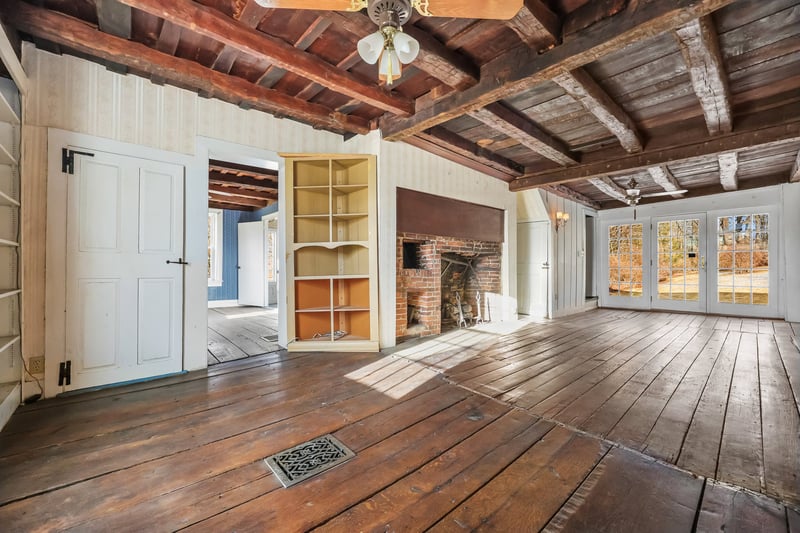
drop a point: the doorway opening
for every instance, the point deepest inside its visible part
(588, 258)
(243, 309)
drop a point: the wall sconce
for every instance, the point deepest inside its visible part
(561, 219)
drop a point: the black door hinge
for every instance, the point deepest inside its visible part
(68, 159)
(64, 373)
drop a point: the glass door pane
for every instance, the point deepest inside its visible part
(743, 280)
(679, 264)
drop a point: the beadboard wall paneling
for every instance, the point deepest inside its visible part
(76, 95)
(568, 269)
(33, 226)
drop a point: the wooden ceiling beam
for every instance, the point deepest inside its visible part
(267, 173)
(67, 31)
(237, 200)
(242, 193)
(608, 187)
(765, 136)
(565, 192)
(222, 205)
(700, 48)
(211, 23)
(114, 17)
(536, 21)
(273, 74)
(513, 124)
(466, 148)
(522, 68)
(794, 175)
(255, 184)
(459, 154)
(728, 167)
(664, 179)
(583, 88)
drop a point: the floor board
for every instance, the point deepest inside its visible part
(241, 332)
(610, 399)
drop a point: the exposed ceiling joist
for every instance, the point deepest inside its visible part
(67, 31)
(664, 179)
(534, 23)
(236, 200)
(210, 23)
(519, 127)
(255, 184)
(583, 88)
(242, 193)
(522, 68)
(248, 170)
(114, 17)
(274, 73)
(728, 167)
(466, 148)
(464, 155)
(708, 147)
(565, 192)
(222, 205)
(794, 175)
(700, 48)
(610, 188)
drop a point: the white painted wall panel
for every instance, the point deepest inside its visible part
(78, 96)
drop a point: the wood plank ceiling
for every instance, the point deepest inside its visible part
(574, 96)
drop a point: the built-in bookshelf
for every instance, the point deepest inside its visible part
(332, 237)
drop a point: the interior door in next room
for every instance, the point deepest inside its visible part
(124, 309)
(679, 263)
(252, 268)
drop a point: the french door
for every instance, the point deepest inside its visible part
(678, 263)
(722, 262)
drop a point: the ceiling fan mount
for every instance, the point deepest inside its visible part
(633, 194)
(389, 12)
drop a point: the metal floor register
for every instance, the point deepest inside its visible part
(308, 459)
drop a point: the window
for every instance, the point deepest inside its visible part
(625, 260)
(743, 259)
(214, 247)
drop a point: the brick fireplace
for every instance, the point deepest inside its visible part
(443, 268)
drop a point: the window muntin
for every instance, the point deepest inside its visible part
(743, 259)
(214, 247)
(625, 269)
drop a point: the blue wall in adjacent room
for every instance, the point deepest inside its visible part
(230, 250)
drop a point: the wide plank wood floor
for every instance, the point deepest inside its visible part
(241, 332)
(440, 444)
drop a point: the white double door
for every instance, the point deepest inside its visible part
(718, 262)
(124, 294)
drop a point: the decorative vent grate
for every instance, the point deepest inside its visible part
(308, 459)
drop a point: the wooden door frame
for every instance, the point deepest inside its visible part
(56, 245)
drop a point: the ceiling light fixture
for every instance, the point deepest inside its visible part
(389, 46)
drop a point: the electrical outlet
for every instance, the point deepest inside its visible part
(36, 365)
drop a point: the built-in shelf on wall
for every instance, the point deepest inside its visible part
(333, 265)
(6, 200)
(5, 157)
(6, 342)
(7, 113)
(5, 242)
(5, 293)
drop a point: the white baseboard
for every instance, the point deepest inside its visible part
(222, 303)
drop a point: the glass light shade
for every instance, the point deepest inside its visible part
(406, 47)
(389, 68)
(370, 47)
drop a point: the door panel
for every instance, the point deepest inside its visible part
(98, 336)
(155, 319)
(679, 260)
(252, 269)
(532, 268)
(156, 215)
(743, 270)
(124, 301)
